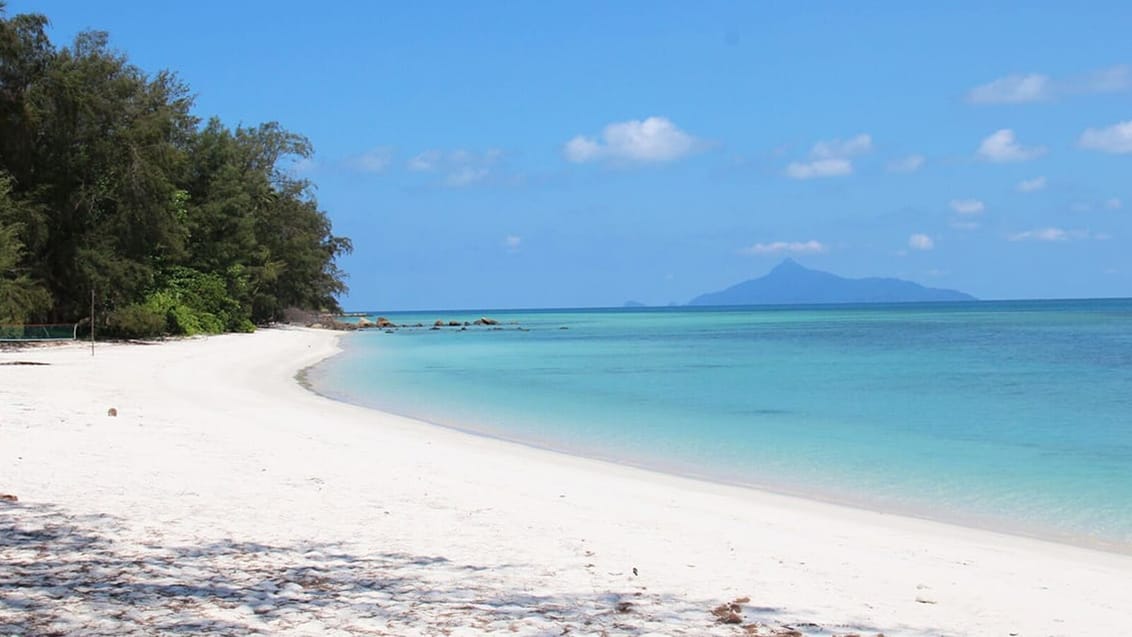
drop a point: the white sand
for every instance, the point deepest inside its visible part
(224, 497)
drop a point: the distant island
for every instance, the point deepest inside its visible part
(790, 283)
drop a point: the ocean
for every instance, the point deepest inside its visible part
(1013, 416)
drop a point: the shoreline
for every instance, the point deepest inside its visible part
(998, 526)
(218, 452)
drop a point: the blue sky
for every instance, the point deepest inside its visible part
(553, 154)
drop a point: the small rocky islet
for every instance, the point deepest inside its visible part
(383, 323)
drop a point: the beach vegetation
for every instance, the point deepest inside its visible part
(135, 321)
(20, 297)
(111, 188)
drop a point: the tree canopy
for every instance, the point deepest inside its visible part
(109, 183)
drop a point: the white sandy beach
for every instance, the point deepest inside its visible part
(226, 498)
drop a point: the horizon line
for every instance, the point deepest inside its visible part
(751, 306)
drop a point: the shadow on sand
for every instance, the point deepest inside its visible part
(63, 574)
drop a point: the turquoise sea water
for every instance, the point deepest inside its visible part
(1008, 415)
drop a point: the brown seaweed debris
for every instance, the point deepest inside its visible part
(731, 612)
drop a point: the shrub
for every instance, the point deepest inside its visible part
(194, 302)
(135, 321)
(243, 325)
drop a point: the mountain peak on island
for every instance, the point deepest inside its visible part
(791, 283)
(787, 265)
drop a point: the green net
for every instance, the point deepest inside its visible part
(48, 332)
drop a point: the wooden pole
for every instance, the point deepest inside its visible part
(92, 320)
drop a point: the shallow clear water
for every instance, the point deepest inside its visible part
(1014, 415)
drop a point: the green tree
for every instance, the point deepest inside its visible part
(20, 296)
(260, 225)
(110, 149)
(114, 186)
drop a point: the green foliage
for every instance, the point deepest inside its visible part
(20, 296)
(112, 185)
(195, 302)
(135, 321)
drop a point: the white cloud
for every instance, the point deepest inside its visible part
(909, 164)
(790, 247)
(831, 158)
(1115, 79)
(1001, 146)
(820, 168)
(512, 242)
(837, 148)
(373, 161)
(1036, 87)
(1113, 139)
(920, 242)
(655, 139)
(426, 161)
(460, 167)
(582, 149)
(1031, 185)
(1112, 203)
(1041, 234)
(465, 175)
(968, 206)
(1012, 89)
